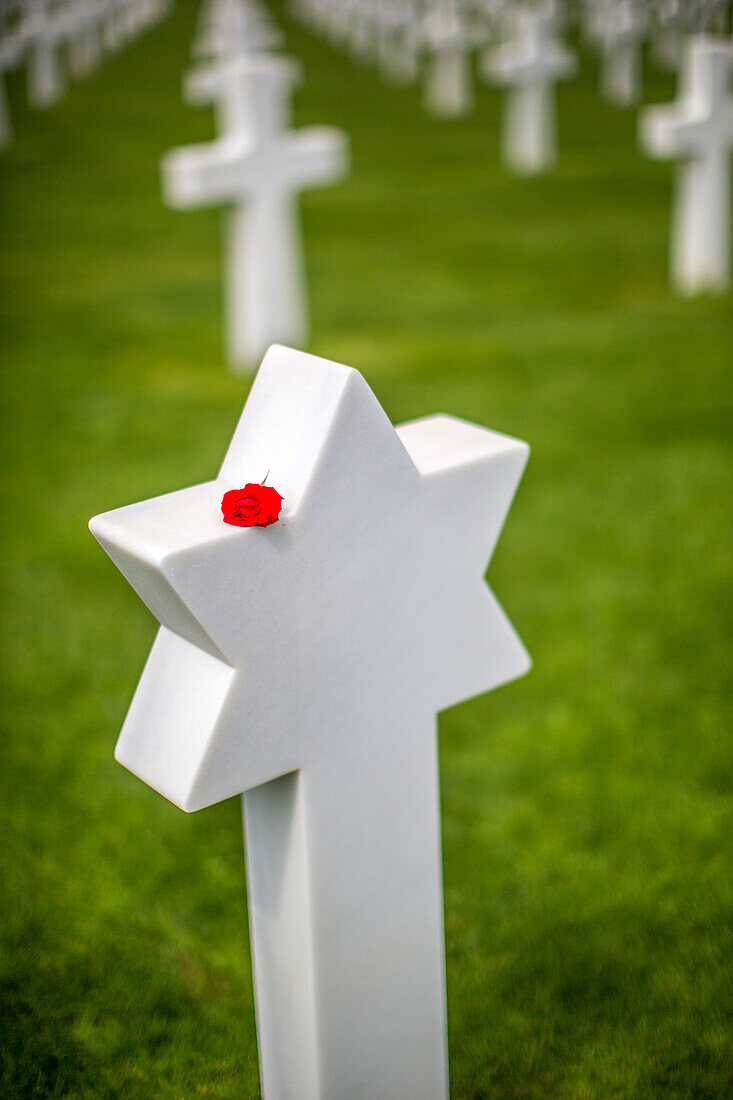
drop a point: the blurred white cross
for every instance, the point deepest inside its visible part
(85, 38)
(44, 31)
(304, 664)
(698, 129)
(448, 87)
(529, 65)
(620, 29)
(257, 167)
(398, 41)
(671, 22)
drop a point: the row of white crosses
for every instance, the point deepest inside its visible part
(618, 29)
(439, 38)
(257, 165)
(530, 58)
(255, 168)
(303, 664)
(50, 36)
(674, 20)
(529, 65)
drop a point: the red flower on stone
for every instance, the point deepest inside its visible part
(252, 506)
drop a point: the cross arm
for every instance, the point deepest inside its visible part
(206, 174)
(319, 155)
(672, 132)
(203, 86)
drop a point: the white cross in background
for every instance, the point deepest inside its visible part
(257, 167)
(85, 39)
(304, 664)
(698, 129)
(620, 28)
(530, 65)
(671, 22)
(448, 88)
(398, 47)
(363, 36)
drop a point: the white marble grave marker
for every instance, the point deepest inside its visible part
(530, 65)
(113, 38)
(304, 664)
(399, 58)
(363, 31)
(85, 40)
(448, 88)
(671, 22)
(257, 167)
(44, 32)
(620, 28)
(698, 129)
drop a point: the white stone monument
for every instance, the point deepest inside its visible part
(85, 39)
(671, 23)
(529, 65)
(399, 57)
(257, 167)
(712, 16)
(448, 87)
(44, 32)
(621, 28)
(698, 129)
(303, 664)
(363, 32)
(334, 21)
(113, 37)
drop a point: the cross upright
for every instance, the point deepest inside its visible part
(331, 20)
(85, 42)
(113, 32)
(671, 24)
(698, 129)
(363, 32)
(44, 32)
(620, 28)
(304, 664)
(256, 167)
(529, 65)
(399, 59)
(448, 88)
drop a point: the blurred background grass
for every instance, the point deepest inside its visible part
(587, 808)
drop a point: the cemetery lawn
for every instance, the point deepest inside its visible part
(587, 809)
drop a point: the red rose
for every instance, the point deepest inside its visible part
(252, 506)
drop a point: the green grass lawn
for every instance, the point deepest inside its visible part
(587, 809)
